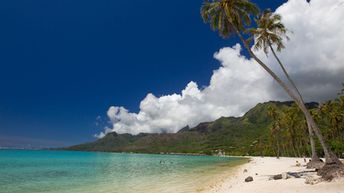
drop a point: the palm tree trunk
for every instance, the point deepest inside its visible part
(330, 157)
(311, 138)
(310, 130)
(285, 72)
(278, 149)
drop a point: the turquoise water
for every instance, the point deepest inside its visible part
(24, 171)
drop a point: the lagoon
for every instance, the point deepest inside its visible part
(24, 171)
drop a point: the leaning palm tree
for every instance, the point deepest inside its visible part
(275, 129)
(270, 32)
(232, 17)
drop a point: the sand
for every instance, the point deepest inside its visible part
(261, 169)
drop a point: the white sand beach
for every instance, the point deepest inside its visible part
(261, 169)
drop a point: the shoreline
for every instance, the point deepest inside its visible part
(261, 169)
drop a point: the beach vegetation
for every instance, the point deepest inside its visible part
(233, 17)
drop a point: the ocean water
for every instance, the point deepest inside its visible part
(23, 171)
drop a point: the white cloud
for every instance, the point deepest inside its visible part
(313, 56)
(236, 86)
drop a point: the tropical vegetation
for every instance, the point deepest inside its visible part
(234, 17)
(288, 131)
(269, 33)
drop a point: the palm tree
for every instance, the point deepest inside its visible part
(232, 17)
(270, 32)
(275, 129)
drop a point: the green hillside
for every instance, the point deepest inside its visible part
(246, 135)
(233, 135)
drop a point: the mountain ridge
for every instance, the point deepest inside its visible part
(233, 135)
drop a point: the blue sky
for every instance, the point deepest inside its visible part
(63, 63)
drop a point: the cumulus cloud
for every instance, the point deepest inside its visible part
(313, 57)
(236, 86)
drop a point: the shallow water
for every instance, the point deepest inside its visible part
(23, 171)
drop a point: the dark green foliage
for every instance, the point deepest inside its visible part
(330, 117)
(228, 17)
(270, 31)
(289, 134)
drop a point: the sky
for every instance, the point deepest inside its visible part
(70, 70)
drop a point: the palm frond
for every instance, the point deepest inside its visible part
(270, 31)
(228, 16)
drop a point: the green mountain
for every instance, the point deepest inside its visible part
(232, 135)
